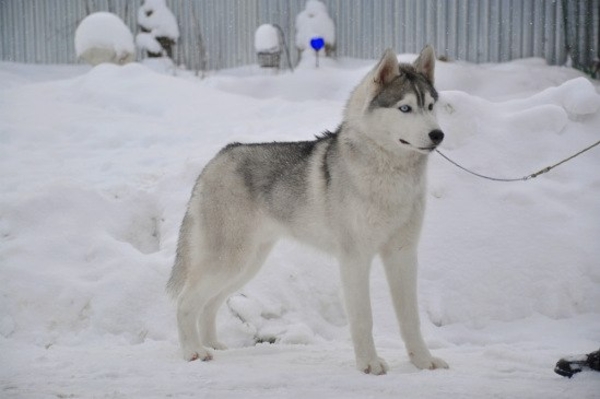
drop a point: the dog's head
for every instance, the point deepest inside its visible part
(395, 104)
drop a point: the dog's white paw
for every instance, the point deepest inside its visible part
(377, 366)
(428, 362)
(198, 354)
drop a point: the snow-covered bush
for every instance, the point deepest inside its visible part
(103, 37)
(313, 22)
(159, 29)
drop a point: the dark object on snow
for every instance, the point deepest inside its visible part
(269, 59)
(165, 42)
(569, 366)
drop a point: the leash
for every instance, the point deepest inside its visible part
(524, 178)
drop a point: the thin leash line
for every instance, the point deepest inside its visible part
(524, 178)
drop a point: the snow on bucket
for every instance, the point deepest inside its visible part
(267, 46)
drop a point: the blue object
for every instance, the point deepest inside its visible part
(317, 43)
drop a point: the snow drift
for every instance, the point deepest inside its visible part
(96, 170)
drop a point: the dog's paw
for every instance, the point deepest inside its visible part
(201, 354)
(428, 362)
(378, 366)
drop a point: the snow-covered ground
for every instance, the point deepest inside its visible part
(96, 167)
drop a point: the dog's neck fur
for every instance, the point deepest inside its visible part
(362, 152)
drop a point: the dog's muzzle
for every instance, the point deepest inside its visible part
(436, 136)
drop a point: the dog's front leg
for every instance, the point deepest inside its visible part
(401, 270)
(355, 272)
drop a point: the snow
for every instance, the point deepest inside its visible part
(96, 167)
(314, 21)
(266, 39)
(103, 30)
(155, 16)
(147, 41)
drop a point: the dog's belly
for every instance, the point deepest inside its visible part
(347, 229)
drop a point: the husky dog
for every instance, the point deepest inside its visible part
(356, 193)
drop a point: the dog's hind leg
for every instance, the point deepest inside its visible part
(208, 317)
(216, 243)
(217, 267)
(191, 301)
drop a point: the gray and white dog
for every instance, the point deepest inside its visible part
(356, 193)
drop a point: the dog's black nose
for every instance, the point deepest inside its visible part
(436, 136)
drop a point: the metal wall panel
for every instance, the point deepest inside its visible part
(219, 34)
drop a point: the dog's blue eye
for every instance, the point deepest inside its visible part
(405, 108)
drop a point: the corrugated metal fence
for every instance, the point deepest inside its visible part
(219, 34)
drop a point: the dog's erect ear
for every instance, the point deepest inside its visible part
(425, 63)
(387, 69)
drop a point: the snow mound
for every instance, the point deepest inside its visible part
(511, 139)
(92, 200)
(103, 37)
(541, 118)
(577, 96)
(546, 112)
(71, 300)
(580, 97)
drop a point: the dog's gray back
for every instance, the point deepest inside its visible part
(289, 184)
(278, 175)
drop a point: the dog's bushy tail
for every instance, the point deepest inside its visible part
(180, 268)
(177, 279)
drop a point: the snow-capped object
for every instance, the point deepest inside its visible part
(266, 39)
(103, 37)
(148, 42)
(159, 29)
(155, 17)
(313, 22)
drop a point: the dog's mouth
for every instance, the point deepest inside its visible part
(423, 149)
